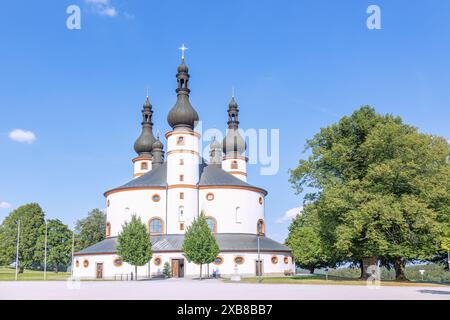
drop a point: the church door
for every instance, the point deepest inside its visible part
(175, 268)
(99, 270)
(259, 267)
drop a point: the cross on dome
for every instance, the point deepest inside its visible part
(183, 49)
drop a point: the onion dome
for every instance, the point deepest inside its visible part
(158, 153)
(233, 143)
(215, 152)
(182, 115)
(143, 144)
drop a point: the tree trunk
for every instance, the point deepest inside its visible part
(201, 271)
(366, 262)
(21, 269)
(399, 266)
(135, 273)
(56, 268)
(311, 270)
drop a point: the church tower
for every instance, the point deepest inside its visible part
(234, 162)
(143, 144)
(183, 157)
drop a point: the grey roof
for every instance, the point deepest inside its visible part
(173, 242)
(210, 175)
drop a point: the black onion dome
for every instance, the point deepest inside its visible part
(144, 143)
(233, 143)
(182, 114)
(157, 145)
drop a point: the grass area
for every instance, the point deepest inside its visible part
(333, 280)
(8, 274)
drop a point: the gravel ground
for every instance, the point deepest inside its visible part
(181, 289)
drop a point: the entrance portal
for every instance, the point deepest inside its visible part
(99, 270)
(177, 268)
(259, 268)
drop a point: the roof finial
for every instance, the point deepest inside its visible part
(232, 91)
(183, 49)
(147, 91)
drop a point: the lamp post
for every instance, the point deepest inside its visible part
(259, 262)
(17, 248)
(73, 245)
(45, 251)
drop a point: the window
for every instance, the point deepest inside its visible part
(157, 261)
(180, 141)
(212, 224)
(218, 260)
(181, 226)
(234, 164)
(107, 203)
(239, 260)
(238, 215)
(210, 197)
(118, 262)
(181, 162)
(181, 177)
(144, 166)
(274, 259)
(286, 260)
(86, 263)
(156, 226)
(260, 229)
(260, 200)
(181, 213)
(77, 263)
(181, 195)
(108, 229)
(156, 197)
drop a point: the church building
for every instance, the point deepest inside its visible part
(171, 188)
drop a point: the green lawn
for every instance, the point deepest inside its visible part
(8, 274)
(320, 279)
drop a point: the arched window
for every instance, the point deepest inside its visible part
(144, 166)
(181, 177)
(108, 229)
(238, 215)
(260, 228)
(181, 213)
(156, 226)
(181, 162)
(234, 164)
(180, 141)
(212, 224)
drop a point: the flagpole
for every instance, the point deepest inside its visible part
(45, 252)
(73, 245)
(17, 249)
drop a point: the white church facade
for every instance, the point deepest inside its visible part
(170, 189)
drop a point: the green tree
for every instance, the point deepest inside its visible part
(59, 244)
(306, 243)
(90, 230)
(200, 245)
(31, 219)
(380, 189)
(167, 270)
(134, 245)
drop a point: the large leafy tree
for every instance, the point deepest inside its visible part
(59, 244)
(90, 230)
(31, 219)
(200, 245)
(380, 189)
(134, 245)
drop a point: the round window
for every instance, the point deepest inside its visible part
(156, 197)
(86, 263)
(218, 260)
(239, 260)
(118, 262)
(210, 196)
(157, 261)
(286, 260)
(274, 259)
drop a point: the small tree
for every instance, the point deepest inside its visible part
(134, 245)
(199, 244)
(167, 270)
(90, 230)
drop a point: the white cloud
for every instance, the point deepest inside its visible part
(20, 135)
(102, 7)
(290, 215)
(5, 205)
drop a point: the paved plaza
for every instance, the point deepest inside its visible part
(183, 289)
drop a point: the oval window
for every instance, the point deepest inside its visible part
(118, 262)
(260, 200)
(286, 260)
(274, 259)
(156, 197)
(218, 260)
(239, 260)
(210, 196)
(77, 263)
(157, 261)
(86, 263)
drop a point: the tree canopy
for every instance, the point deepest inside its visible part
(90, 230)
(200, 245)
(379, 187)
(134, 245)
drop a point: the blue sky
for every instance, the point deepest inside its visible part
(296, 65)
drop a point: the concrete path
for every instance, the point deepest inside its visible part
(181, 289)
